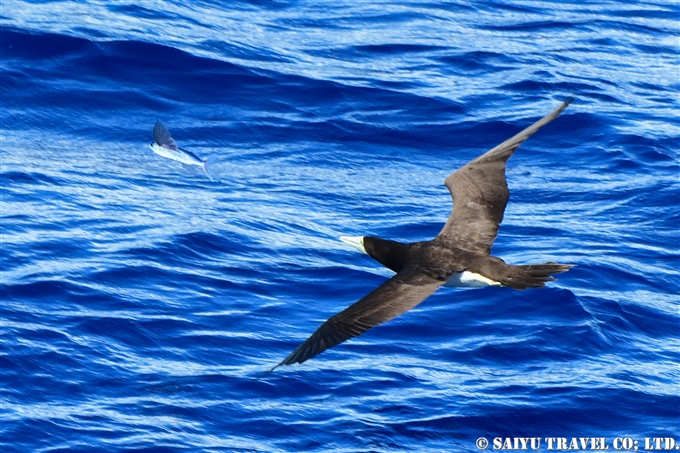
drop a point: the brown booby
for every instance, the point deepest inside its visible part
(460, 255)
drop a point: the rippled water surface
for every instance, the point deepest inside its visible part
(142, 304)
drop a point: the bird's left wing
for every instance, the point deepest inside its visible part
(397, 295)
(161, 135)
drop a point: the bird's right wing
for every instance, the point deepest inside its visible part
(397, 295)
(161, 135)
(480, 192)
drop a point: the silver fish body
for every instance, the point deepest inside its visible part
(165, 146)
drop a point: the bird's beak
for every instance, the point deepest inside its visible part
(355, 241)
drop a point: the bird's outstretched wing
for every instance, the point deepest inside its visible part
(480, 193)
(397, 295)
(161, 135)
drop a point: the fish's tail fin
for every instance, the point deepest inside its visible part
(204, 166)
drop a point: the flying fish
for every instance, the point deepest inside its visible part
(165, 146)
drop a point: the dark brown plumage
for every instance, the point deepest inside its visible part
(480, 194)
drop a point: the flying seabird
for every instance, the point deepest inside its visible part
(166, 146)
(460, 255)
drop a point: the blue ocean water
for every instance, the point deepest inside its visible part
(142, 304)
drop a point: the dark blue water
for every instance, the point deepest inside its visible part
(142, 304)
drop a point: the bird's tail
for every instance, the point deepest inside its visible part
(204, 166)
(533, 275)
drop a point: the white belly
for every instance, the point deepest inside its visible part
(467, 279)
(176, 155)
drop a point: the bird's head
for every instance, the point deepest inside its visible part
(391, 254)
